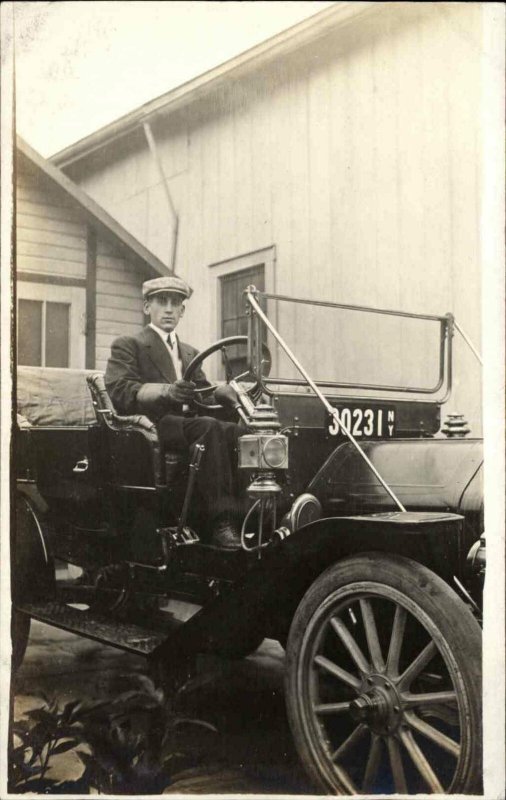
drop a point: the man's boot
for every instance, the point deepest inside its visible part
(225, 535)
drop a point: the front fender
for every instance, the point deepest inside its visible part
(425, 474)
(431, 538)
(266, 599)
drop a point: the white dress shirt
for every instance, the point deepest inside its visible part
(172, 350)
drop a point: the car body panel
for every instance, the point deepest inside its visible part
(266, 596)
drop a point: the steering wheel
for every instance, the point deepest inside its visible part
(223, 344)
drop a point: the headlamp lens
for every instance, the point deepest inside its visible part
(274, 452)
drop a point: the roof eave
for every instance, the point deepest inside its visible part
(337, 16)
(140, 255)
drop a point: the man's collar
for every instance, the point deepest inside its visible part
(163, 334)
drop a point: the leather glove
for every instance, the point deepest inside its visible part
(180, 391)
(154, 398)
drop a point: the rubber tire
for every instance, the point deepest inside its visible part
(452, 617)
(20, 632)
(33, 570)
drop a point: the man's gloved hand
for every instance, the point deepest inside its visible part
(154, 399)
(180, 391)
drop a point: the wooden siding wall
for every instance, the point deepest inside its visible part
(118, 300)
(358, 158)
(51, 241)
(50, 235)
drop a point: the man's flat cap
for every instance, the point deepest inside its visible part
(170, 283)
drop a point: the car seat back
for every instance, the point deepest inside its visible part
(134, 447)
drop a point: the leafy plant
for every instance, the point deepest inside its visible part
(46, 732)
(134, 744)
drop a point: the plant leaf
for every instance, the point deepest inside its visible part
(53, 706)
(39, 736)
(91, 709)
(88, 759)
(145, 682)
(27, 770)
(79, 786)
(42, 696)
(70, 710)
(66, 731)
(39, 784)
(62, 747)
(21, 727)
(20, 750)
(200, 722)
(42, 715)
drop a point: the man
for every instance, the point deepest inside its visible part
(144, 375)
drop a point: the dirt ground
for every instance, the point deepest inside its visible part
(252, 751)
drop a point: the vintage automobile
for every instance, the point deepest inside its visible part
(362, 545)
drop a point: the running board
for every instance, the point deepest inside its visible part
(115, 632)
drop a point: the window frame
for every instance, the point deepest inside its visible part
(265, 256)
(237, 320)
(75, 298)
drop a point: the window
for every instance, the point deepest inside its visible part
(232, 277)
(234, 321)
(50, 325)
(43, 333)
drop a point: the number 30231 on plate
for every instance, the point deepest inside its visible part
(363, 422)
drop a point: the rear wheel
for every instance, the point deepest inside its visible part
(32, 576)
(383, 681)
(20, 631)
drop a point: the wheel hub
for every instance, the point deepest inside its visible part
(379, 705)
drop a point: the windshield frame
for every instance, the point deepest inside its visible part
(258, 318)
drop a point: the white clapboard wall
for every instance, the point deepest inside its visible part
(358, 157)
(119, 300)
(50, 235)
(51, 246)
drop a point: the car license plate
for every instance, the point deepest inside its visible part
(363, 422)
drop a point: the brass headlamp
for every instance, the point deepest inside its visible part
(263, 451)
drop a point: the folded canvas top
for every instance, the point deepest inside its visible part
(51, 396)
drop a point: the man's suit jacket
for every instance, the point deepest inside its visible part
(140, 359)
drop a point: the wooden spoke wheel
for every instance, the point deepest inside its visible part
(32, 572)
(383, 681)
(20, 631)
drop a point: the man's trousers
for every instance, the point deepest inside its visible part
(215, 477)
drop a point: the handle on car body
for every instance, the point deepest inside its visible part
(82, 465)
